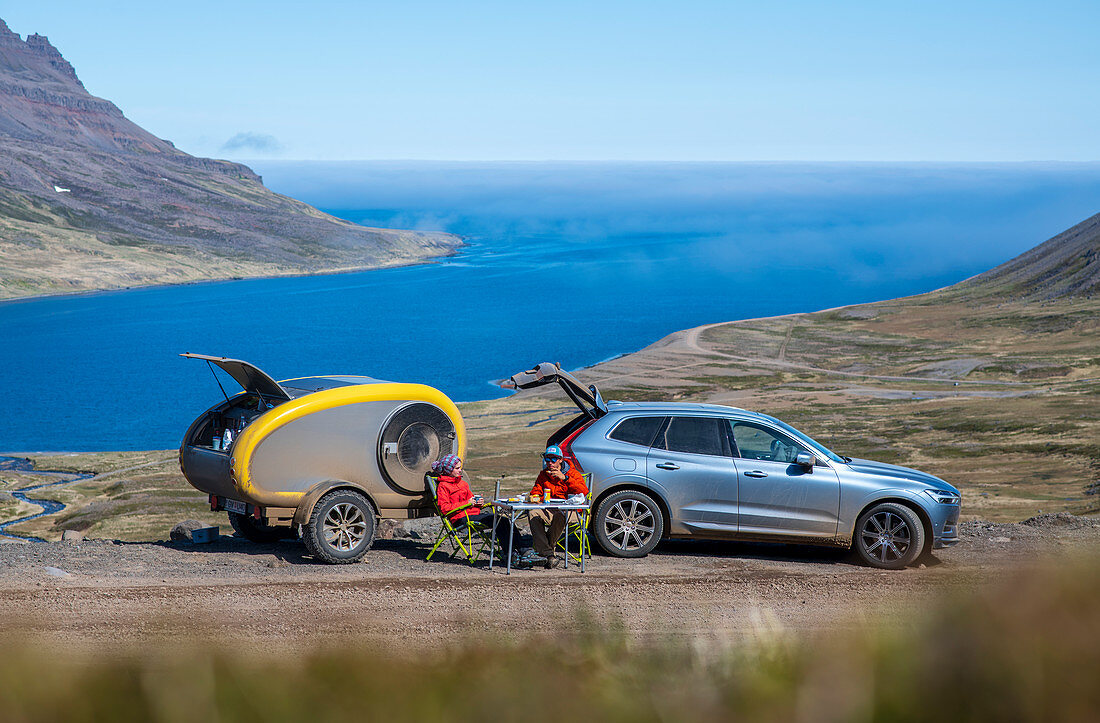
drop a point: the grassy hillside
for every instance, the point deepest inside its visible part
(1066, 265)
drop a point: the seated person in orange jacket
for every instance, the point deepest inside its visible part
(452, 492)
(558, 480)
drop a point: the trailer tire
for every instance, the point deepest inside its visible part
(340, 529)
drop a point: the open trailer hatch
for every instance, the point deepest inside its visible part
(250, 377)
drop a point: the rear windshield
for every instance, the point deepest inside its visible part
(637, 430)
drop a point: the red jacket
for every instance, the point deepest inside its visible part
(453, 492)
(572, 484)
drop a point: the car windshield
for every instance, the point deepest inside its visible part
(820, 448)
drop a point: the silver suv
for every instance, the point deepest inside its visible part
(662, 470)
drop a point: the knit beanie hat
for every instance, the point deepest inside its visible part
(447, 464)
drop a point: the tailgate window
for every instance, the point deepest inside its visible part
(637, 430)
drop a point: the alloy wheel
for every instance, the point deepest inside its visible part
(886, 537)
(629, 524)
(345, 527)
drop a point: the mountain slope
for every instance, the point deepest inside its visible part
(90, 200)
(1067, 265)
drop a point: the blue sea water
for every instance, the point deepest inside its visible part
(569, 262)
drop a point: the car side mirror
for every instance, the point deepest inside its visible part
(804, 459)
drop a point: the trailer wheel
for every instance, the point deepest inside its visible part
(252, 529)
(341, 528)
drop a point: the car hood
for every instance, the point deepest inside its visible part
(882, 469)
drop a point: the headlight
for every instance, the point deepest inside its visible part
(944, 498)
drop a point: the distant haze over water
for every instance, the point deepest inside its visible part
(570, 262)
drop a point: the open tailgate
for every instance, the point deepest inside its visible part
(587, 399)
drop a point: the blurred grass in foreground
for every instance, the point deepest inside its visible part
(1025, 649)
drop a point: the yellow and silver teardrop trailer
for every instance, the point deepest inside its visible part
(320, 457)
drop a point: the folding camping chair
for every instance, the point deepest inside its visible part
(466, 536)
(579, 532)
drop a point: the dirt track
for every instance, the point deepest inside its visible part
(273, 594)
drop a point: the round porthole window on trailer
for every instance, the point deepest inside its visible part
(414, 437)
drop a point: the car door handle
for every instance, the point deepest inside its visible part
(756, 473)
(667, 465)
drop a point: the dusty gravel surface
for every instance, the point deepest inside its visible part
(99, 592)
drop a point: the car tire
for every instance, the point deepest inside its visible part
(628, 523)
(889, 536)
(253, 530)
(341, 528)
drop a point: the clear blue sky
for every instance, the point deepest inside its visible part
(678, 80)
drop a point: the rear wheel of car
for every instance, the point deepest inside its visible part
(254, 530)
(341, 528)
(628, 524)
(889, 536)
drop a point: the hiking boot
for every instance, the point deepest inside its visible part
(531, 558)
(554, 561)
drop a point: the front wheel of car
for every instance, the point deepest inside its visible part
(628, 524)
(341, 528)
(889, 536)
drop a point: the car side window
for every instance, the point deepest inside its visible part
(637, 430)
(756, 442)
(697, 435)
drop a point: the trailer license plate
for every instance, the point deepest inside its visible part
(235, 506)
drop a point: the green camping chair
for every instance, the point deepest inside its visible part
(466, 537)
(576, 533)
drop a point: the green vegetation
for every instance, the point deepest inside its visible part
(135, 496)
(742, 381)
(11, 507)
(1027, 649)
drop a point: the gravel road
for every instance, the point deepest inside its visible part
(92, 593)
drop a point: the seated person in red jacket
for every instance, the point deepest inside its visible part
(558, 480)
(453, 492)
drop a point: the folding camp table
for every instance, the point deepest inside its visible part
(513, 510)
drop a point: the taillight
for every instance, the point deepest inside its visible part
(566, 445)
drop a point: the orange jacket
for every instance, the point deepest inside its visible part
(453, 492)
(572, 484)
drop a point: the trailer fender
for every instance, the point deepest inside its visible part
(319, 490)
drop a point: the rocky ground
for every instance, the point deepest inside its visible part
(104, 592)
